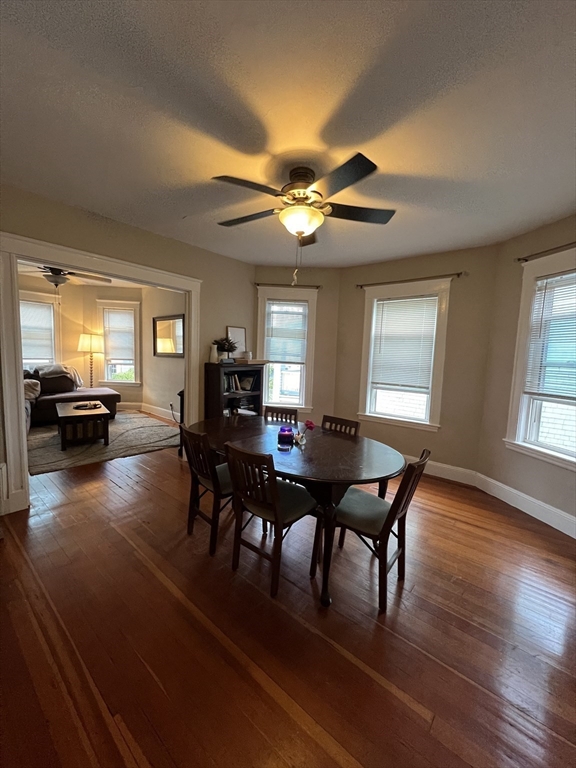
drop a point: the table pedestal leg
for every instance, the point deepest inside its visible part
(329, 527)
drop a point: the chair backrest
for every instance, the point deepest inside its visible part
(406, 490)
(200, 456)
(254, 482)
(281, 414)
(344, 426)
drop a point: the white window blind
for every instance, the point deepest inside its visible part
(402, 356)
(549, 393)
(286, 324)
(551, 366)
(119, 343)
(285, 346)
(37, 324)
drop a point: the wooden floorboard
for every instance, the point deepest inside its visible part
(124, 644)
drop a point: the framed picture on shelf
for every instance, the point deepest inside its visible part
(246, 383)
(238, 335)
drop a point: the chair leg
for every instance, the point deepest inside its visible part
(214, 524)
(316, 547)
(342, 536)
(402, 547)
(276, 560)
(193, 504)
(237, 536)
(265, 527)
(382, 575)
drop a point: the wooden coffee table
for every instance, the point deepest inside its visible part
(82, 425)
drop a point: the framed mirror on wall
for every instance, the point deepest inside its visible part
(168, 336)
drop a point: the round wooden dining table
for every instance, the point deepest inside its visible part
(327, 464)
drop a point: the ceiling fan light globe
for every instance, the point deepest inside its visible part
(301, 219)
(56, 280)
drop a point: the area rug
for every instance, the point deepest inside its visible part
(131, 433)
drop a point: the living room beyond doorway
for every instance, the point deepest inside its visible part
(104, 363)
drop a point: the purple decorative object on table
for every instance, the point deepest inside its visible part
(285, 437)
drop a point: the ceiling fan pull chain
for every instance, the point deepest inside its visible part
(298, 261)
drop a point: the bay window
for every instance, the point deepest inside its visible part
(120, 321)
(403, 356)
(543, 411)
(286, 322)
(39, 324)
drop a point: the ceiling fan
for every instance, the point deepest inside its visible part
(305, 199)
(58, 276)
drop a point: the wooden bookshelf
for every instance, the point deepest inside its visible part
(230, 388)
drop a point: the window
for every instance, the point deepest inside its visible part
(404, 342)
(543, 413)
(120, 327)
(286, 322)
(39, 316)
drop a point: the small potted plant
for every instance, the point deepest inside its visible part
(225, 346)
(300, 437)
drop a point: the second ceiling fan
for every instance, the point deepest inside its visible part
(306, 201)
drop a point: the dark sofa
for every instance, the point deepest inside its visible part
(61, 389)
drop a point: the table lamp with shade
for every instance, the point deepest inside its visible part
(91, 342)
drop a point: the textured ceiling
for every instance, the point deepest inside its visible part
(128, 108)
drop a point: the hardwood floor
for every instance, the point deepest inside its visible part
(125, 644)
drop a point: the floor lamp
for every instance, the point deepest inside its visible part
(91, 342)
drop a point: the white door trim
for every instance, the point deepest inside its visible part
(16, 491)
(16, 246)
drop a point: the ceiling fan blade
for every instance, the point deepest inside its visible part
(244, 219)
(249, 184)
(367, 215)
(350, 172)
(308, 240)
(95, 278)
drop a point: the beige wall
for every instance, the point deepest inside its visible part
(538, 479)
(227, 292)
(326, 341)
(163, 377)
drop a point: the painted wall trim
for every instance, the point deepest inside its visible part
(552, 516)
(557, 518)
(3, 488)
(163, 412)
(17, 488)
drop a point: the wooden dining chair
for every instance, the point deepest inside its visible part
(281, 414)
(344, 426)
(210, 476)
(258, 491)
(372, 519)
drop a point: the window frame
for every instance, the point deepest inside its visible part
(310, 295)
(103, 304)
(55, 300)
(440, 288)
(533, 271)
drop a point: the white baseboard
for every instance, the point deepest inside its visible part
(155, 411)
(125, 406)
(552, 516)
(558, 519)
(448, 472)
